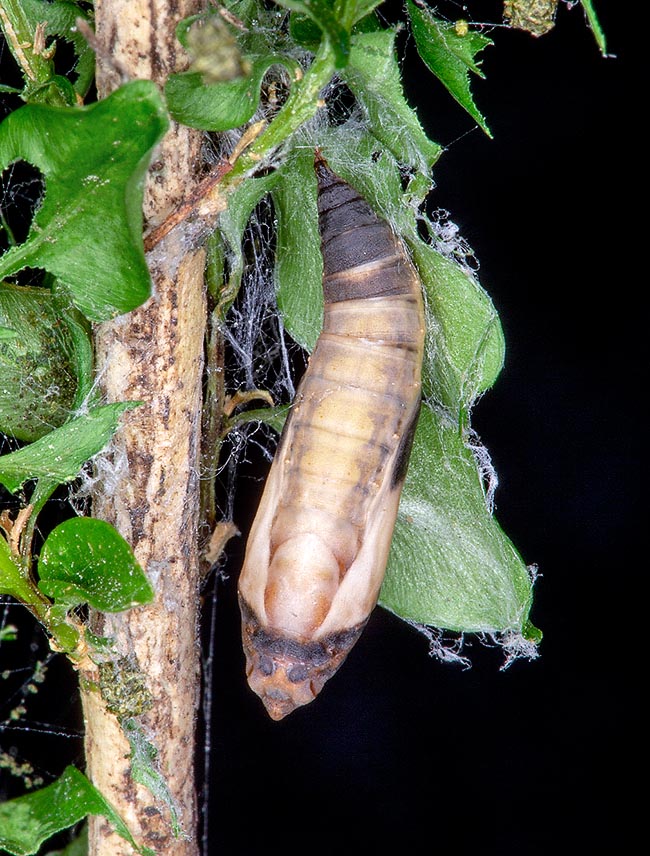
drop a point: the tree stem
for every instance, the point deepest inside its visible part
(153, 355)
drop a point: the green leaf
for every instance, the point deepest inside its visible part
(77, 847)
(299, 264)
(81, 356)
(306, 31)
(27, 821)
(20, 18)
(19, 30)
(594, 26)
(275, 417)
(16, 582)
(57, 92)
(466, 347)
(8, 633)
(44, 366)
(88, 230)
(60, 454)
(61, 18)
(220, 106)
(329, 20)
(12, 579)
(357, 10)
(451, 566)
(373, 75)
(85, 560)
(144, 771)
(450, 55)
(232, 223)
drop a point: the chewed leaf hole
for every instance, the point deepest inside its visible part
(35, 277)
(22, 189)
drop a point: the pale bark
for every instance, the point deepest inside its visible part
(153, 355)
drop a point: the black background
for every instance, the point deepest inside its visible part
(400, 751)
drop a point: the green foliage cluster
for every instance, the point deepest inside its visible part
(483, 585)
(451, 565)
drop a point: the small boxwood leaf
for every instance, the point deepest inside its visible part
(77, 847)
(450, 55)
(27, 821)
(94, 160)
(145, 771)
(12, 579)
(85, 560)
(299, 264)
(274, 417)
(329, 21)
(59, 455)
(43, 365)
(358, 10)
(594, 25)
(60, 18)
(220, 106)
(16, 582)
(232, 223)
(373, 75)
(466, 344)
(306, 30)
(451, 566)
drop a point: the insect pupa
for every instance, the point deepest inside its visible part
(318, 547)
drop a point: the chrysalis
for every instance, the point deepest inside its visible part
(317, 550)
